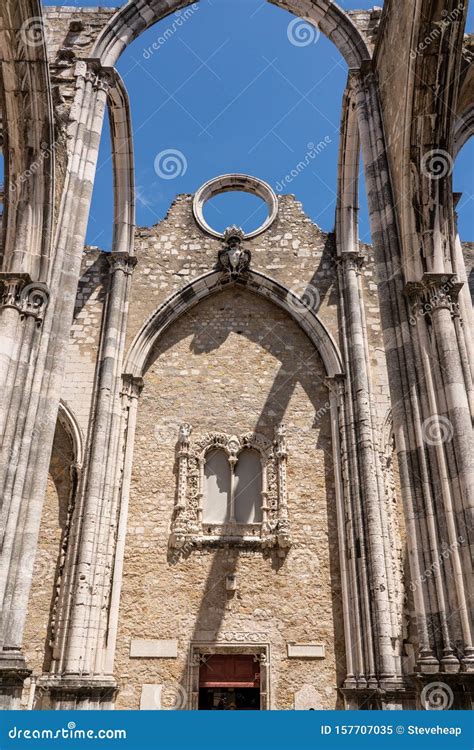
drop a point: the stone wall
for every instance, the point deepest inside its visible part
(234, 364)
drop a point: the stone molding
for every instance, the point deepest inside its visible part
(235, 182)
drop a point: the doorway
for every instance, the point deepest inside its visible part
(229, 682)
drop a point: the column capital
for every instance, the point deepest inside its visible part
(352, 260)
(336, 383)
(18, 291)
(131, 386)
(434, 291)
(122, 261)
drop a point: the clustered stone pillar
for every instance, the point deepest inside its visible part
(428, 391)
(82, 663)
(36, 342)
(368, 498)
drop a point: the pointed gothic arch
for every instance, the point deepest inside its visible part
(212, 283)
(134, 18)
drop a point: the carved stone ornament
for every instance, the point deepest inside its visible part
(233, 258)
(187, 528)
(434, 292)
(30, 298)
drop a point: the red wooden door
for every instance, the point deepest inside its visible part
(227, 670)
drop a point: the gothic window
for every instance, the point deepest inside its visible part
(232, 487)
(217, 476)
(231, 490)
(248, 487)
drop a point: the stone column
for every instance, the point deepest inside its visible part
(36, 368)
(83, 660)
(372, 502)
(423, 471)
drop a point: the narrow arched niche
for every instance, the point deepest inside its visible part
(216, 487)
(61, 486)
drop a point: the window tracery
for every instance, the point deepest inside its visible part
(231, 490)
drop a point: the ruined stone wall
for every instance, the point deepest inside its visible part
(293, 251)
(392, 58)
(71, 28)
(234, 364)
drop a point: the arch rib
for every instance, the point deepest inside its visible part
(211, 283)
(137, 16)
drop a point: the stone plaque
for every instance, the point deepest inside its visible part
(305, 651)
(153, 649)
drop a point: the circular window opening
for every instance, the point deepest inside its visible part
(236, 207)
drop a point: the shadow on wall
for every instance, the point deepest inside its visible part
(209, 325)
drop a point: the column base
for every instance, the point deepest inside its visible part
(13, 672)
(77, 692)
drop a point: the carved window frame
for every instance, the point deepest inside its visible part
(187, 528)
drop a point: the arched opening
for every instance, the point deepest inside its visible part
(463, 190)
(216, 487)
(248, 487)
(42, 631)
(236, 208)
(281, 377)
(280, 123)
(101, 217)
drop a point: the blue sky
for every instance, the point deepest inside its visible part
(229, 90)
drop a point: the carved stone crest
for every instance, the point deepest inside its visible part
(233, 258)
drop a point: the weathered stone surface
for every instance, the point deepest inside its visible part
(141, 648)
